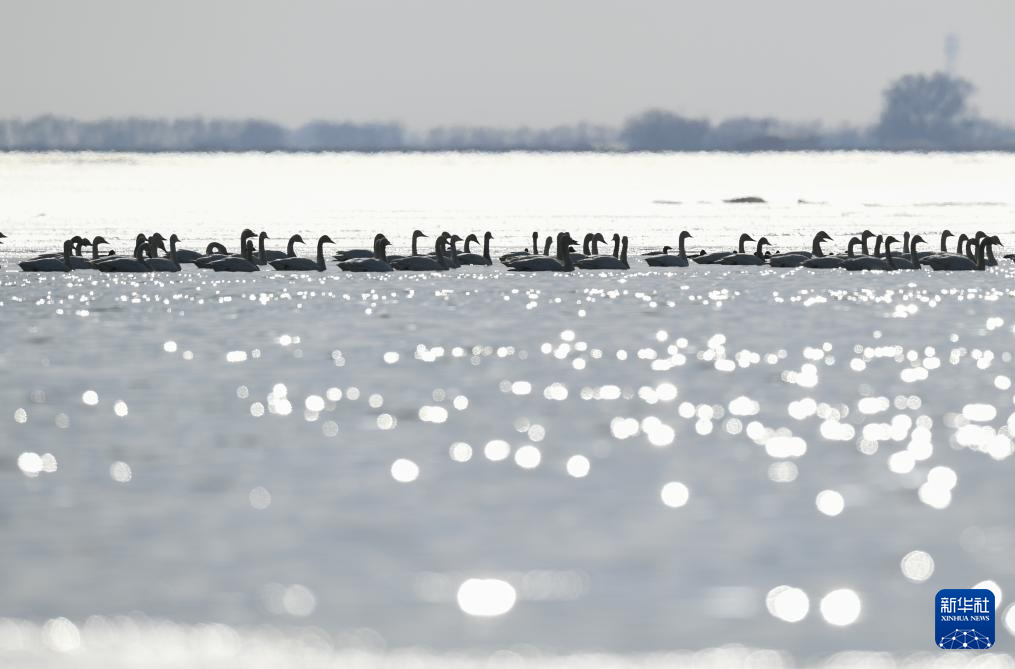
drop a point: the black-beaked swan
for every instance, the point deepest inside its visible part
(526, 252)
(50, 264)
(424, 263)
(244, 263)
(712, 258)
(294, 264)
(378, 262)
(133, 264)
(957, 262)
(561, 263)
(352, 254)
(756, 258)
(474, 258)
(666, 260)
(607, 262)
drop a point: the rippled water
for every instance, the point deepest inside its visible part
(482, 466)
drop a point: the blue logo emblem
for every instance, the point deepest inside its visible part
(965, 619)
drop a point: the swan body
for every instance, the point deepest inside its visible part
(713, 258)
(424, 263)
(234, 264)
(467, 258)
(294, 264)
(377, 262)
(666, 260)
(49, 264)
(756, 258)
(606, 262)
(133, 264)
(561, 263)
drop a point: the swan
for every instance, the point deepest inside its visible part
(169, 264)
(712, 258)
(586, 248)
(965, 250)
(416, 234)
(290, 251)
(419, 263)
(873, 262)
(138, 241)
(50, 264)
(546, 253)
(607, 262)
(77, 261)
(664, 259)
(561, 263)
(232, 263)
(830, 262)
(864, 236)
(796, 258)
(756, 258)
(526, 252)
(913, 262)
(956, 262)
(207, 259)
(452, 258)
(76, 242)
(352, 254)
(376, 263)
(292, 263)
(133, 264)
(474, 258)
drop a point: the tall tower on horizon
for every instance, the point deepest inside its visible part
(951, 52)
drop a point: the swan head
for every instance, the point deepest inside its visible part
(262, 236)
(173, 238)
(746, 238)
(866, 234)
(454, 238)
(764, 242)
(666, 249)
(823, 236)
(247, 232)
(99, 240)
(616, 237)
(325, 239)
(298, 239)
(487, 235)
(472, 238)
(914, 240)
(84, 241)
(979, 234)
(994, 239)
(684, 234)
(416, 234)
(599, 238)
(2, 235)
(945, 234)
(890, 240)
(156, 236)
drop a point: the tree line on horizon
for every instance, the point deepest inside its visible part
(919, 112)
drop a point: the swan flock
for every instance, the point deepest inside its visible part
(888, 254)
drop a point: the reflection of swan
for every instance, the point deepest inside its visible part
(292, 263)
(664, 259)
(756, 258)
(561, 263)
(376, 263)
(50, 264)
(467, 258)
(607, 262)
(712, 258)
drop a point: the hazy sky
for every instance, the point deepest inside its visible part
(536, 62)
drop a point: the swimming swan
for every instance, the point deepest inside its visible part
(561, 263)
(50, 264)
(294, 264)
(664, 259)
(376, 263)
(607, 262)
(467, 258)
(712, 258)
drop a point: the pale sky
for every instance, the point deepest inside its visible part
(533, 62)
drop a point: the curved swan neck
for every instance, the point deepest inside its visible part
(587, 243)
(290, 248)
(680, 246)
(913, 257)
(991, 260)
(944, 239)
(320, 254)
(852, 245)
(486, 249)
(594, 244)
(415, 237)
(816, 247)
